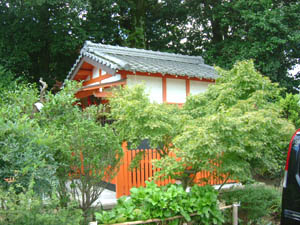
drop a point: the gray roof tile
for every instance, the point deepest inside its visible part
(131, 59)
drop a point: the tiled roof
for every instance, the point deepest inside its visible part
(131, 59)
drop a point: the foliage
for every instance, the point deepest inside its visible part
(235, 130)
(60, 145)
(256, 202)
(25, 150)
(6, 80)
(164, 202)
(103, 21)
(27, 208)
(290, 106)
(40, 38)
(136, 119)
(230, 31)
(167, 26)
(91, 150)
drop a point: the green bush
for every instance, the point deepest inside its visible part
(257, 202)
(27, 208)
(164, 202)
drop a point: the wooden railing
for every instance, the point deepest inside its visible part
(128, 178)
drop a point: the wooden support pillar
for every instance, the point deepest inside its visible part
(164, 88)
(187, 87)
(235, 213)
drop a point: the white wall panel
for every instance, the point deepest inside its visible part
(197, 87)
(176, 90)
(153, 86)
(96, 71)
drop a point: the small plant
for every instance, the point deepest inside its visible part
(257, 202)
(27, 208)
(165, 202)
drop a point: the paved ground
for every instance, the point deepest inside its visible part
(108, 199)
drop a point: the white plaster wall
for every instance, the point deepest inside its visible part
(176, 90)
(197, 87)
(153, 86)
(96, 71)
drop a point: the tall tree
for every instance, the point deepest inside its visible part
(40, 38)
(266, 31)
(151, 24)
(102, 22)
(166, 26)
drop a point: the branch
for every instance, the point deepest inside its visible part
(225, 181)
(43, 90)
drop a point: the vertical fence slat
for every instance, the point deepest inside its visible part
(130, 178)
(143, 168)
(150, 163)
(134, 172)
(138, 172)
(126, 177)
(147, 164)
(158, 169)
(119, 178)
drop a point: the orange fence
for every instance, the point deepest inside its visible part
(127, 178)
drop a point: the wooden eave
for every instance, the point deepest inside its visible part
(98, 79)
(185, 77)
(85, 68)
(94, 89)
(102, 94)
(104, 85)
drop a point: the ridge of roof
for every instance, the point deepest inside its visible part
(95, 47)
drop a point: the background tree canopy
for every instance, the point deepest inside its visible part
(42, 38)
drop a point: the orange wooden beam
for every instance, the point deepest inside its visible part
(122, 82)
(84, 72)
(98, 79)
(102, 94)
(164, 75)
(187, 87)
(83, 94)
(164, 89)
(105, 85)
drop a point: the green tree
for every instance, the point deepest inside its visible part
(103, 22)
(235, 130)
(290, 105)
(25, 150)
(86, 152)
(40, 38)
(137, 119)
(62, 146)
(167, 26)
(266, 31)
(7, 80)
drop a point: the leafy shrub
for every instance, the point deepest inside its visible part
(27, 208)
(257, 201)
(164, 202)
